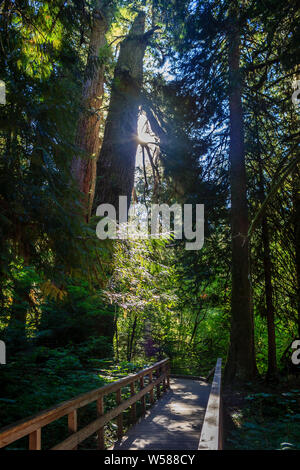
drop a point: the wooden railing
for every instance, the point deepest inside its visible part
(212, 429)
(155, 375)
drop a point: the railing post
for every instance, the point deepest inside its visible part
(133, 407)
(158, 385)
(100, 433)
(35, 440)
(143, 399)
(120, 417)
(164, 371)
(72, 423)
(151, 391)
(168, 374)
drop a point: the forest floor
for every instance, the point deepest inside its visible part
(263, 416)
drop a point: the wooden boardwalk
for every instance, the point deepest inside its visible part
(187, 416)
(174, 422)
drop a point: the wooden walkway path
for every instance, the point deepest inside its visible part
(186, 414)
(174, 422)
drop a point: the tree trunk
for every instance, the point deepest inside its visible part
(87, 138)
(241, 358)
(116, 164)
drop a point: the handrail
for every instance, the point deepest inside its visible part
(32, 426)
(212, 432)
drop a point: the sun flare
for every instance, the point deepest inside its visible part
(143, 135)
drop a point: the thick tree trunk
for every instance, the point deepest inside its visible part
(116, 164)
(87, 138)
(241, 359)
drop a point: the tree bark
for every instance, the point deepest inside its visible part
(241, 358)
(87, 138)
(116, 164)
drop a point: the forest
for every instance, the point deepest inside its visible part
(187, 104)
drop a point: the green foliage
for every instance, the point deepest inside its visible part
(270, 421)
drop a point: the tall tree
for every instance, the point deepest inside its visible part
(87, 137)
(241, 362)
(116, 163)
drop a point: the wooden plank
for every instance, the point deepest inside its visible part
(151, 391)
(143, 399)
(100, 433)
(120, 416)
(22, 428)
(35, 440)
(158, 386)
(133, 407)
(164, 369)
(93, 427)
(72, 423)
(211, 435)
